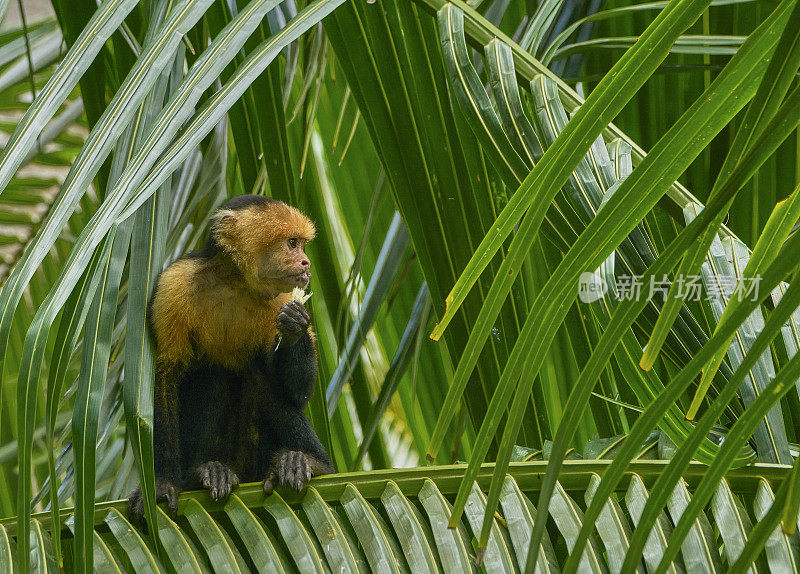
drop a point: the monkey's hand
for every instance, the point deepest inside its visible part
(292, 322)
(216, 477)
(292, 468)
(166, 491)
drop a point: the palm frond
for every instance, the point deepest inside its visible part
(398, 520)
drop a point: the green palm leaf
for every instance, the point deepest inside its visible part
(497, 184)
(354, 521)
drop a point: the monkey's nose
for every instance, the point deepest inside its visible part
(305, 263)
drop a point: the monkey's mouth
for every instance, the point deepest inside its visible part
(303, 279)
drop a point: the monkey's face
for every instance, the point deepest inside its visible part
(266, 240)
(285, 265)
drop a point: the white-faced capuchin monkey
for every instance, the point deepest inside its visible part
(235, 358)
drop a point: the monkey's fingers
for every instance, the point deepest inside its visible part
(136, 510)
(171, 498)
(223, 481)
(269, 483)
(217, 478)
(299, 308)
(293, 315)
(167, 492)
(286, 322)
(290, 327)
(136, 504)
(294, 470)
(228, 482)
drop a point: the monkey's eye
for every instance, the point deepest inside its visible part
(292, 243)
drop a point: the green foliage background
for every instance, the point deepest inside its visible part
(463, 169)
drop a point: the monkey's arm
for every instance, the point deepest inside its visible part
(168, 324)
(170, 317)
(295, 360)
(165, 423)
(165, 443)
(293, 450)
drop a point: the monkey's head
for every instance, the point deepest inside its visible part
(266, 239)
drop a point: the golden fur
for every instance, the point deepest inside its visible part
(214, 305)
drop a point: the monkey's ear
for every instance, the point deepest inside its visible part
(223, 226)
(224, 216)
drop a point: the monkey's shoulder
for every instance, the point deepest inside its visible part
(171, 310)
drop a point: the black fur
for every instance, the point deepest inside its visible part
(238, 422)
(239, 426)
